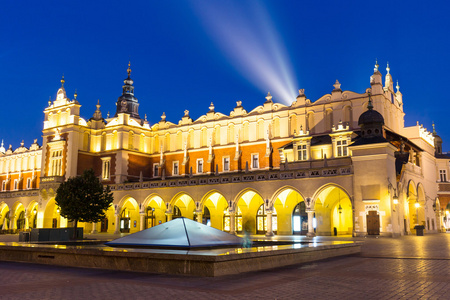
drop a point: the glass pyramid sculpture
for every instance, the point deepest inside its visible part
(181, 233)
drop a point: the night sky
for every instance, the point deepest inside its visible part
(187, 54)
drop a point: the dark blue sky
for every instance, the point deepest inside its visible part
(185, 54)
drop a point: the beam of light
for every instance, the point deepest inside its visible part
(247, 36)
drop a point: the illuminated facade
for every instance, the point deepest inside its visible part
(344, 164)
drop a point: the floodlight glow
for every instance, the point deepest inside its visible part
(252, 44)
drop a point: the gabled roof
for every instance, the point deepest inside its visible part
(181, 233)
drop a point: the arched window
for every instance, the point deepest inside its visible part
(179, 142)
(238, 219)
(204, 137)
(142, 143)
(300, 219)
(217, 135)
(261, 220)
(125, 221)
(206, 219)
(293, 125)
(103, 142)
(191, 139)
(276, 127)
(86, 141)
(230, 134)
(115, 141)
(260, 130)
(310, 122)
(328, 119)
(167, 142)
(245, 132)
(131, 140)
(348, 118)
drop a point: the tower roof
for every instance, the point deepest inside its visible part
(127, 102)
(370, 116)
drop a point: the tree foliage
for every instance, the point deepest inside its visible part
(83, 198)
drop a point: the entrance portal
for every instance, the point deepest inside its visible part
(373, 223)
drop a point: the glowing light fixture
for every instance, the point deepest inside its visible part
(340, 207)
(417, 205)
(57, 210)
(395, 198)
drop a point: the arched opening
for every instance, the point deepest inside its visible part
(157, 216)
(32, 215)
(333, 211)
(4, 217)
(107, 223)
(216, 206)
(247, 207)
(183, 206)
(206, 218)
(20, 223)
(285, 202)
(129, 216)
(52, 218)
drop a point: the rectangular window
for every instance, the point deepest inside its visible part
(28, 183)
(443, 175)
(175, 168)
(200, 165)
(56, 163)
(106, 168)
(4, 185)
(226, 164)
(341, 148)
(16, 184)
(255, 161)
(302, 155)
(155, 170)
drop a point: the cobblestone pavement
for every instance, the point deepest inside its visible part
(402, 268)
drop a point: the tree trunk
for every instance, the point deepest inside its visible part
(75, 224)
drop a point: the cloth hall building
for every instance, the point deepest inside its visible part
(344, 164)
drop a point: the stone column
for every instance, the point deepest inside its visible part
(94, 228)
(232, 223)
(11, 222)
(142, 221)
(117, 224)
(311, 232)
(199, 217)
(27, 222)
(269, 231)
(169, 217)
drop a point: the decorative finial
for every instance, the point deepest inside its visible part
(398, 87)
(337, 85)
(301, 92)
(163, 117)
(186, 113)
(2, 142)
(62, 81)
(376, 65)
(107, 115)
(369, 105)
(129, 68)
(211, 107)
(145, 117)
(434, 129)
(49, 101)
(388, 69)
(22, 143)
(75, 95)
(269, 97)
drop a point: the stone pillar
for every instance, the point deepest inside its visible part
(232, 223)
(94, 228)
(11, 222)
(311, 232)
(169, 217)
(142, 221)
(199, 217)
(27, 222)
(269, 231)
(117, 224)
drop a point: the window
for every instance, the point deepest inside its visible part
(4, 185)
(155, 170)
(16, 184)
(106, 168)
(28, 183)
(443, 175)
(255, 161)
(175, 168)
(56, 163)
(341, 148)
(302, 154)
(226, 164)
(200, 165)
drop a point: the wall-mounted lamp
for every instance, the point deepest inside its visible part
(417, 204)
(57, 210)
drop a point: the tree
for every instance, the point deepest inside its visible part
(83, 198)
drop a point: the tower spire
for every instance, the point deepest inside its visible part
(129, 69)
(62, 81)
(376, 66)
(370, 105)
